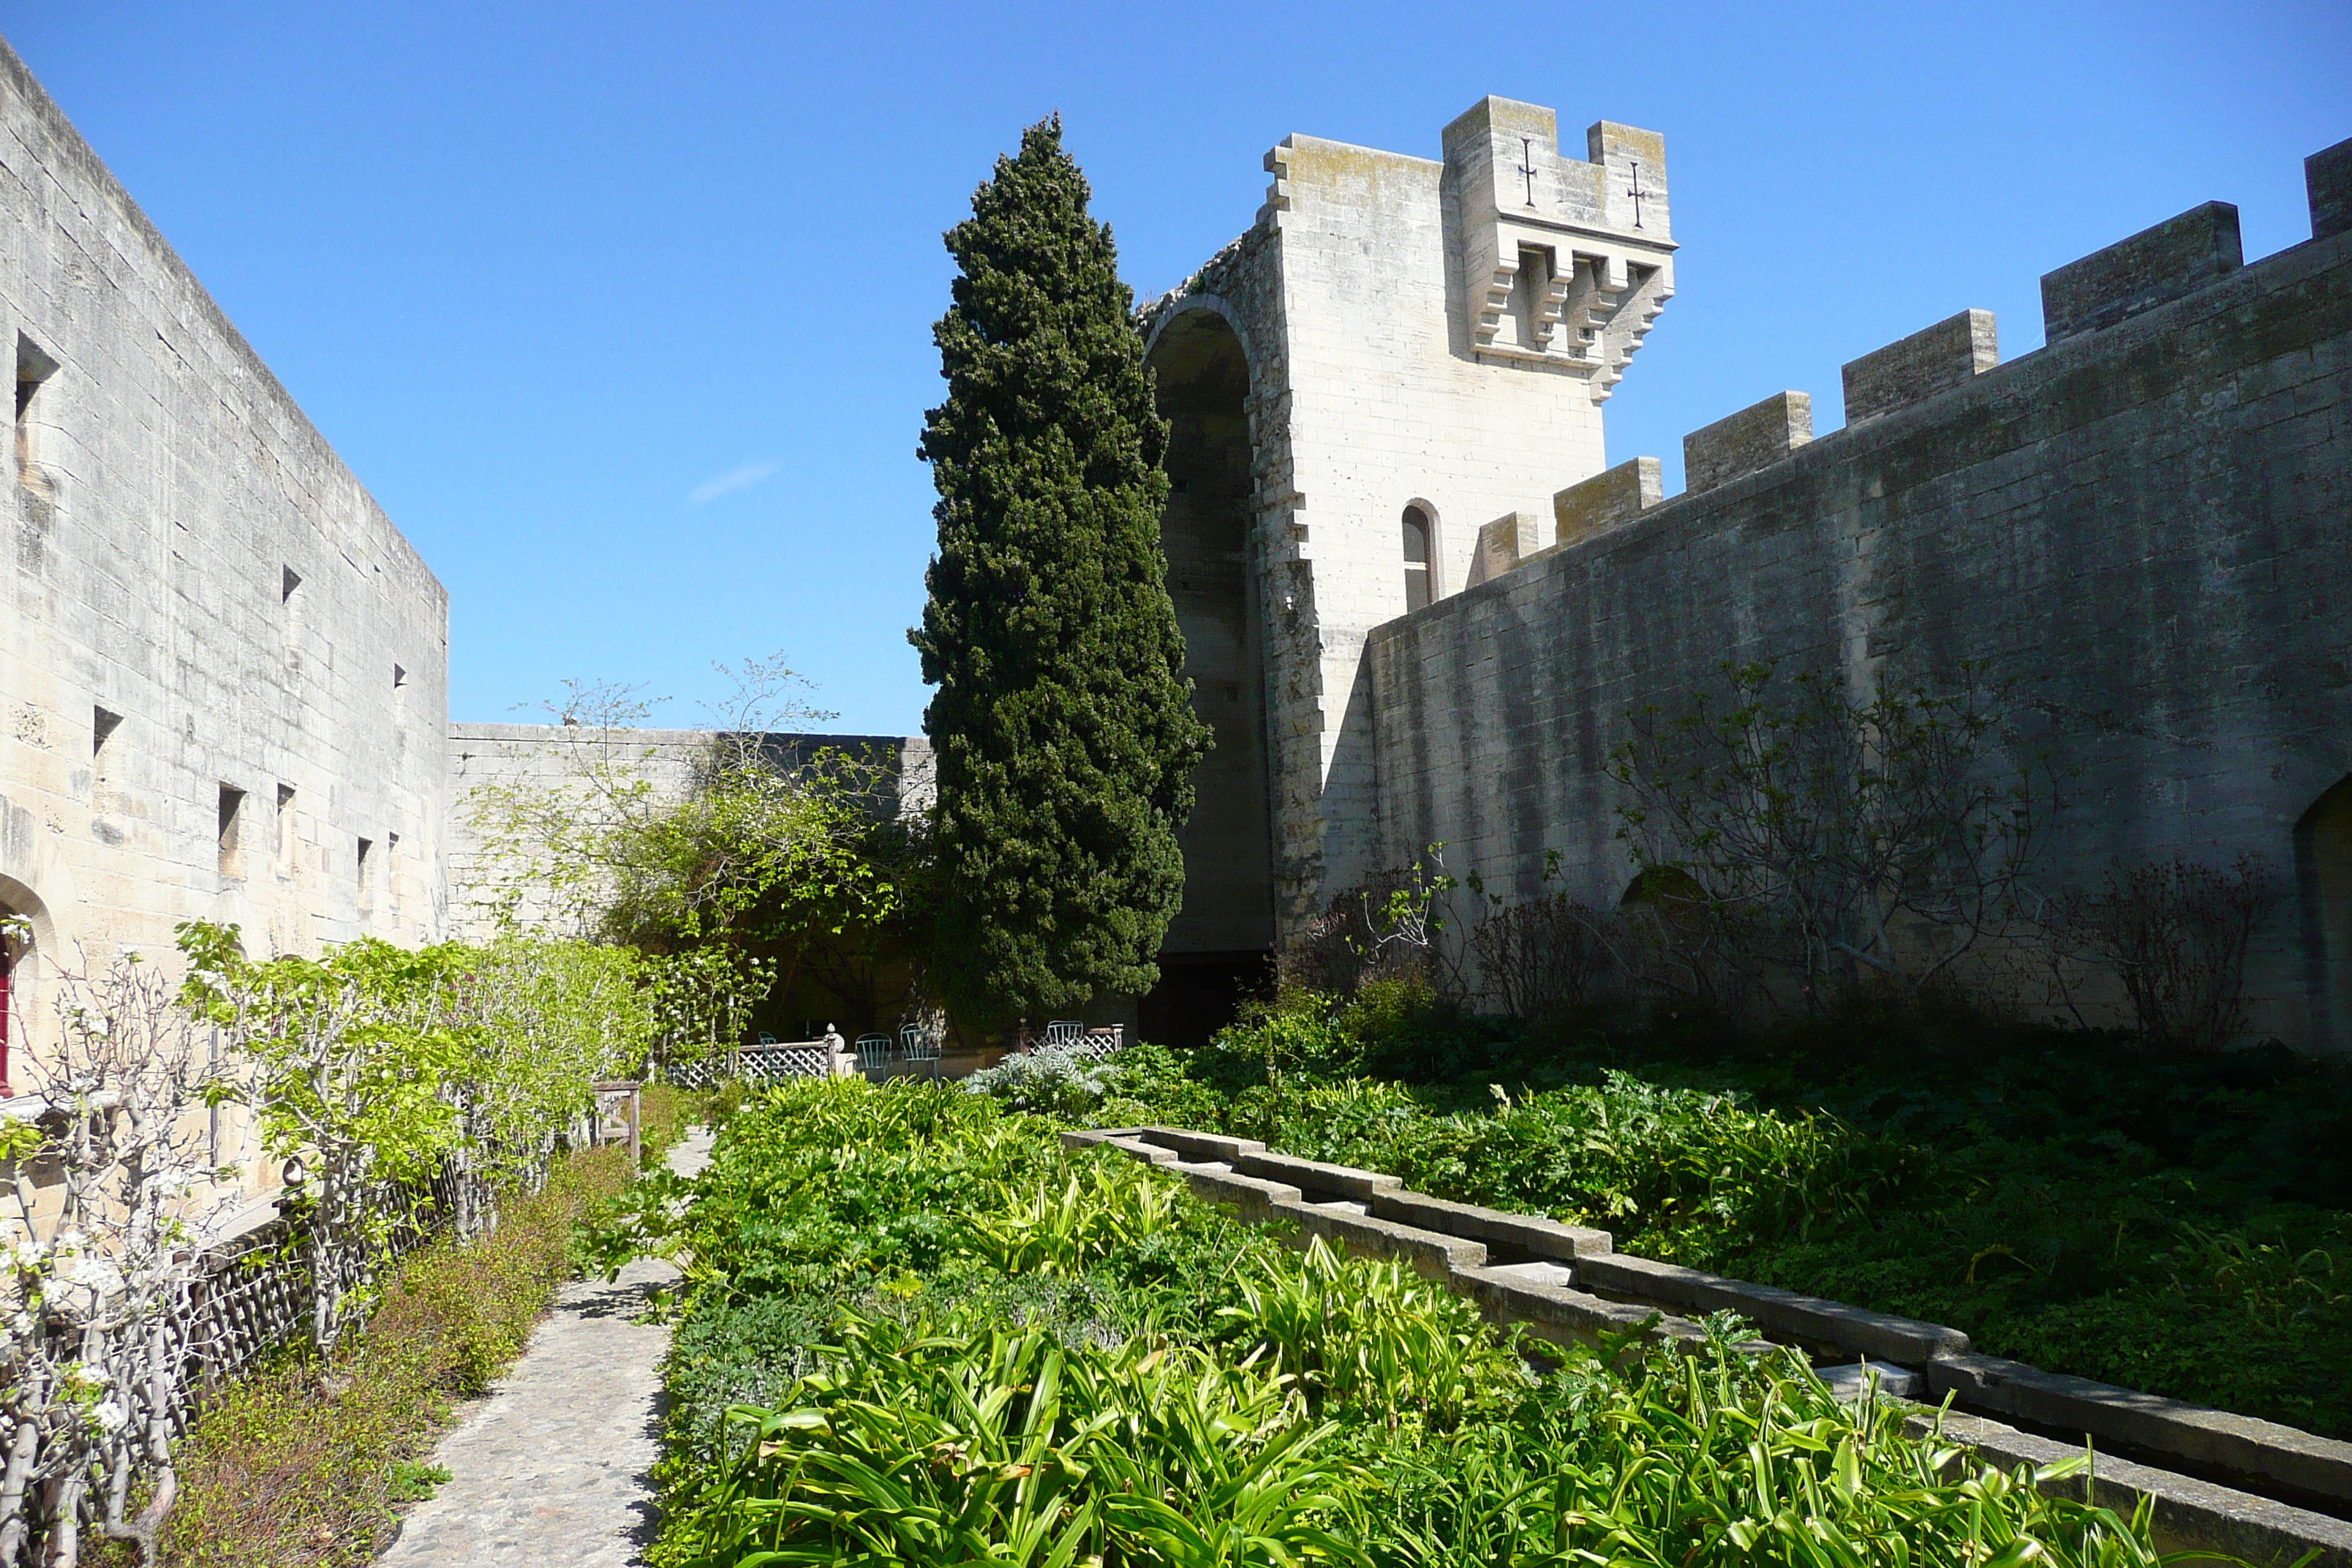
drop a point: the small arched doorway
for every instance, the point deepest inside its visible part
(2322, 874)
(7, 1002)
(16, 916)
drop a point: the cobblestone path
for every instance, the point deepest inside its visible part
(553, 1465)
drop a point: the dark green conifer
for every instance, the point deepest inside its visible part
(1062, 721)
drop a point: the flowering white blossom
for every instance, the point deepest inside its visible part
(109, 1415)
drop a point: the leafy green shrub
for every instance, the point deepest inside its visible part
(1298, 1032)
(929, 1408)
(1055, 1080)
(1374, 1335)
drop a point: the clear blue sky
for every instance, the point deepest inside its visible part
(624, 313)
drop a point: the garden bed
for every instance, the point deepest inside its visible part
(919, 1331)
(2170, 1225)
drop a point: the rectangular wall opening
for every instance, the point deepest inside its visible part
(231, 816)
(102, 726)
(367, 847)
(286, 825)
(34, 369)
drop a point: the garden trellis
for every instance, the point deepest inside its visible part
(399, 1093)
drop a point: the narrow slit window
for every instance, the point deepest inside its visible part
(1416, 558)
(367, 846)
(285, 821)
(102, 725)
(34, 369)
(287, 581)
(232, 814)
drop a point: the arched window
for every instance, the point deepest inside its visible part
(1416, 557)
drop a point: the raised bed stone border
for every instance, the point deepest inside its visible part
(1569, 1284)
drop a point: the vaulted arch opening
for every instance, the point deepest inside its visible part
(1224, 938)
(2323, 865)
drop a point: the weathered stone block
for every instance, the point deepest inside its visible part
(2150, 1422)
(1756, 438)
(1538, 1295)
(1880, 1335)
(2153, 268)
(1853, 1381)
(1201, 1145)
(1255, 1198)
(1431, 1254)
(2327, 182)
(1317, 1176)
(2188, 1515)
(1531, 1234)
(1502, 544)
(1950, 354)
(1606, 500)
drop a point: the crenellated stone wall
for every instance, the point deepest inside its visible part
(2148, 522)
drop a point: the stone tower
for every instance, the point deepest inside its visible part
(1375, 393)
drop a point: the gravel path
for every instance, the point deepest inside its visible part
(553, 1465)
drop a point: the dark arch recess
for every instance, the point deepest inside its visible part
(1223, 938)
(2322, 874)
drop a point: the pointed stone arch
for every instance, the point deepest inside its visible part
(1201, 371)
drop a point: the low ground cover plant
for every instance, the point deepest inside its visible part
(919, 1332)
(2170, 1223)
(307, 1462)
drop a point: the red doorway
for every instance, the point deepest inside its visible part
(8, 1007)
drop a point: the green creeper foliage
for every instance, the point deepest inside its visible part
(1062, 721)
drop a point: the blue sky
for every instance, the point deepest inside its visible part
(624, 313)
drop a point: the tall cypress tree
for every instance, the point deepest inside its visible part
(1062, 723)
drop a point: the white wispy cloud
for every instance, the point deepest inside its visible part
(730, 482)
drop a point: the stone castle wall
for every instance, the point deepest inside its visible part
(1393, 331)
(223, 671)
(493, 763)
(2148, 522)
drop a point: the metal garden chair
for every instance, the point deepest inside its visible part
(918, 1045)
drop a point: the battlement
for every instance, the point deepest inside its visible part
(2161, 265)
(2142, 524)
(1565, 262)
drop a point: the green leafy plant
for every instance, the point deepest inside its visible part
(923, 1406)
